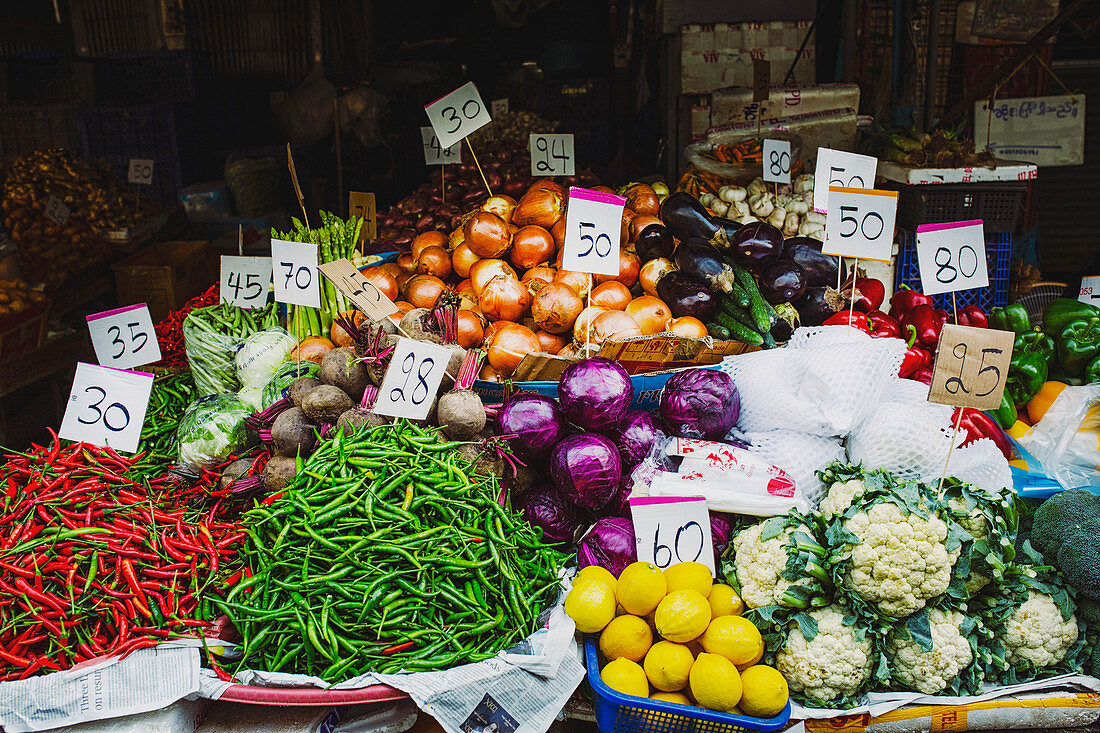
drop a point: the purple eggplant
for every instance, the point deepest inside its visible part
(655, 241)
(781, 281)
(817, 304)
(820, 269)
(685, 217)
(787, 322)
(695, 257)
(756, 245)
(686, 296)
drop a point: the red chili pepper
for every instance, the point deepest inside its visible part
(398, 648)
(855, 319)
(905, 299)
(883, 326)
(927, 325)
(975, 316)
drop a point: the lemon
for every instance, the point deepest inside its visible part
(682, 615)
(628, 637)
(694, 575)
(640, 588)
(595, 572)
(724, 601)
(765, 691)
(677, 697)
(735, 638)
(667, 666)
(625, 676)
(756, 659)
(715, 683)
(591, 605)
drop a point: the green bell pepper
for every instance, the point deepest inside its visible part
(1035, 342)
(1005, 415)
(1010, 318)
(1026, 374)
(1060, 312)
(1079, 344)
(1092, 371)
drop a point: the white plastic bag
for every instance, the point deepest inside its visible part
(1066, 442)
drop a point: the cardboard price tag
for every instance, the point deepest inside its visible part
(1090, 290)
(841, 168)
(971, 367)
(761, 79)
(458, 114)
(434, 154)
(362, 205)
(860, 223)
(295, 266)
(141, 171)
(552, 154)
(499, 107)
(124, 337)
(356, 288)
(245, 280)
(56, 211)
(106, 406)
(672, 529)
(777, 161)
(951, 256)
(593, 225)
(412, 379)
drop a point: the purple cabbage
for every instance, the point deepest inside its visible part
(721, 532)
(635, 436)
(609, 544)
(619, 506)
(544, 507)
(595, 393)
(700, 403)
(537, 422)
(586, 469)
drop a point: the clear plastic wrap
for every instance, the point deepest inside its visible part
(212, 429)
(1066, 442)
(277, 386)
(260, 355)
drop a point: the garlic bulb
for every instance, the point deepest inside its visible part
(762, 205)
(790, 225)
(778, 217)
(732, 194)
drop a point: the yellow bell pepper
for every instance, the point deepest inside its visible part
(1038, 405)
(1018, 428)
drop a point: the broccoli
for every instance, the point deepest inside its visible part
(1088, 610)
(1059, 516)
(1079, 557)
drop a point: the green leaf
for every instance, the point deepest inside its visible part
(807, 625)
(837, 535)
(920, 629)
(772, 528)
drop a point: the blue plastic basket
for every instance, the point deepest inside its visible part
(619, 713)
(998, 255)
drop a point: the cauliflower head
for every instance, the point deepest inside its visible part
(1036, 632)
(901, 560)
(759, 566)
(779, 562)
(836, 664)
(841, 496)
(933, 670)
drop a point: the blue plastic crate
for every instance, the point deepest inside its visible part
(136, 131)
(998, 255)
(619, 713)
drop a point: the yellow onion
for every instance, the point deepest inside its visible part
(434, 260)
(486, 234)
(428, 239)
(504, 299)
(614, 325)
(687, 326)
(580, 326)
(629, 268)
(471, 332)
(611, 295)
(531, 245)
(650, 313)
(483, 271)
(380, 278)
(552, 343)
(579, 281)
(555, 308)
(643, 199)
(507, 347)
(423, 290)
(651, 272)
(462, 259)
(539, 206)
(502, 206)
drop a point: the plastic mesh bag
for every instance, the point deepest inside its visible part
(212, 429)
(909, 440)
(981, 463)
(211, 356)
(799, 454)
(278, 386)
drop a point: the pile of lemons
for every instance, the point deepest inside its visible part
(676, 636)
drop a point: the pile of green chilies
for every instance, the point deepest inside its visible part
(387, 553)
(171, 395)
(212, 335)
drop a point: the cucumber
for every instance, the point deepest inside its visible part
(738, 330)
(740, 296)
(758, 308)
(740, 315)
(718, 331)
(769, 341)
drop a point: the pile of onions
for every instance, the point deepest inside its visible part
(508, 345)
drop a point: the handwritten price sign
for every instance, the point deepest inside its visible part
(951, 256)
(841, 168)
(1090, 290)
(295, 265)
(124, 337)
(140, 171)
(457, 115)
(593, 226)
(672, 529)
(971, 367)
(552, 154)
(356, 288)
(436, 155)
(106, 406)
(860, 223)
(412, 379)
(777, 161)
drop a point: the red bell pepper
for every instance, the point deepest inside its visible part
(979, 425)
(905, 299)
(975, 315)
(855, 319)
(871, 294)
(924, 374)
(915, 357)
(883, 326)
(924, 319)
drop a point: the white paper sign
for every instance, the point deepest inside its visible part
(552, 154)
(1090, 290)
(951, 256)
(141, 171)
(457, 115)
(436, 155)
(245, 280)
(593, 225)
(500, 107)
(124, 337)
(295, 273)
(672, 529)
(1046, 131)
(107, 406)
(777, 161)
(841, 168)
(860, 223)
(412, 379)
(56, 211)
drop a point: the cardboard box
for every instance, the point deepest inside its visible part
(721, 55)
(164, 275)
(1001, 170)
(728, 106)
(675, 13)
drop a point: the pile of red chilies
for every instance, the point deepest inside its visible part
(170, 329)
(93, 562)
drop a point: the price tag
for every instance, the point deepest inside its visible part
(593, 224)
(552, 154)
(457, 115)
(971, 367)
(500, 107)
(56, 211)
(362, 205)
(366, 297)
(412, 379)
(1090, 290)
(951, 256)
(124, 337)
(777, 161)
(436, 155)
(107, 406)
(141, 171)
(245, 280)
(860, 223)
(295, 273)
(672, 529)
(761, 79)
(841, 168)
